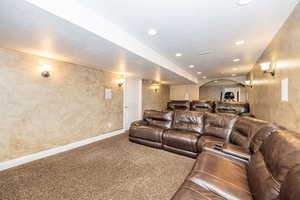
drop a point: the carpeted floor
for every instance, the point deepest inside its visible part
(112, 169)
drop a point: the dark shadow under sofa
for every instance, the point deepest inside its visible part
(237, 157)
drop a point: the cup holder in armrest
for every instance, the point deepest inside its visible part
(218, 147)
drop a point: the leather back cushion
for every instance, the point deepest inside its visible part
(178, 105)
(290, 189)
(219, 125)
(189, 121)
(231, 107)
(202, 106)
(244, 129)
(270, 165)
(161, 119)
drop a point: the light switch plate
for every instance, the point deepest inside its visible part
(285, 90)
(108, 93)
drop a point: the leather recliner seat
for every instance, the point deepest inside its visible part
(272, 173)
(242, 131)
(202, 106)
(231, 107)
(178, 105)
(238, 108)
(149, 131)
(257, 160)
(182, 138)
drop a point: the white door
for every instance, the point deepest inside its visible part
(132, 101)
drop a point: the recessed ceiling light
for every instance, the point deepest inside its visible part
(199, 72)
(240, 42)
(204, 77)
(205, 53)
(235, 69)
(236, 60)
(152, 31)
(243, 2)
(178, 54)
(191, 66)
(233, 74)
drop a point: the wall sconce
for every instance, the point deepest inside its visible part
(45, 70)
(248, 83)
(156, 88)
(120, 82)
(267, 67)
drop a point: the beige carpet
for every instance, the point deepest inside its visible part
(112, 169)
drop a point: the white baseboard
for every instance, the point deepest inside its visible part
(43, 154)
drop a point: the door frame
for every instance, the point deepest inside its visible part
(140, 97)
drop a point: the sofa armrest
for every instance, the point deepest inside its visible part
(139, 123)
(236, 151)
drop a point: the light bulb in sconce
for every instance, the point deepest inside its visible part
(45, 70)
(156, 88)
(120, 82)
(267, 67)
(248, 83)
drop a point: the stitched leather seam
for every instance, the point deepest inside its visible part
(190, 188)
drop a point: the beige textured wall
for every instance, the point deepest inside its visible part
(184, 92)
(155, 100)
(39, 114)
(265, 97)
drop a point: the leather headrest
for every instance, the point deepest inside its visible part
(178, 105)
(234, 107)
(158, 115)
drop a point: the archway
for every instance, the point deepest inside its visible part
(216, 90)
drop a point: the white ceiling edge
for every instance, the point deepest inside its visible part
(89, 20)
(240, 79)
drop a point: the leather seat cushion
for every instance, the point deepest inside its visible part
(227, 177)
(185, 140)
(206, 141)
(192, 191)
(151, 133)
(236, 151)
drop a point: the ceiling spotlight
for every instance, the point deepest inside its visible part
(152, 31)
(199, 72)
(178, 54)
(236, 60)
(240, 42)
(191, 66)
(243, 2)
(204, 77)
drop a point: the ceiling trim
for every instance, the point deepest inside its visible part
(89, 20)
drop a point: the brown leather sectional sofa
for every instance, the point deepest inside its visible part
(237, 157)
(210, 106)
